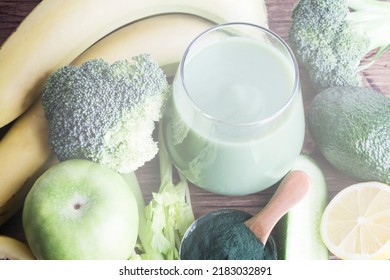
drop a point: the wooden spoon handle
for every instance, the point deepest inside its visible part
(290, 191)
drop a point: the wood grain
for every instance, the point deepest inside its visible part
(279, 11)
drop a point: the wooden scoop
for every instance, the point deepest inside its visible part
(290, 191)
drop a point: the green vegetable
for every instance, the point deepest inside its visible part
(166, 218)
(106, 113)
(298, 232)
(350, 125)
(330, 40)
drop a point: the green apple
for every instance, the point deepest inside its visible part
(79, 209)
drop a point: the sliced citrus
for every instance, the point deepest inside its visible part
(356, 222)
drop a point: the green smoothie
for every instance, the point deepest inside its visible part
(235, 128)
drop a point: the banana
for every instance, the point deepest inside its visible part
(14, 202)
(13, 249)
(24, 155)
(165, 37)
(58, 31)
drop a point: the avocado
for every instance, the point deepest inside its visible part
(351, 127)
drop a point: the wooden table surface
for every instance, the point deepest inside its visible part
(12, 13)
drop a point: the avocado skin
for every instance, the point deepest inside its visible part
(351, 127)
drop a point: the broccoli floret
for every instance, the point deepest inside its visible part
(106, 112)
(331, 38)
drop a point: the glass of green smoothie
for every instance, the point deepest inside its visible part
(234, 123)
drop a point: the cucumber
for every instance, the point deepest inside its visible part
(298, 234)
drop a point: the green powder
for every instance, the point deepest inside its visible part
(222, 235)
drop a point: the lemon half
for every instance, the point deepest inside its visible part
(356, 222)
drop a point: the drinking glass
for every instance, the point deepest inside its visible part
(234, 123)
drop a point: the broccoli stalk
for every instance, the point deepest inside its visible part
(332, 37)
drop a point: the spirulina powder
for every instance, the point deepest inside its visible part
(222, 235)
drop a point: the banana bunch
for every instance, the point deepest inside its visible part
(58, 33)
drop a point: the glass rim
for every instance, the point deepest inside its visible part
(252, 123)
